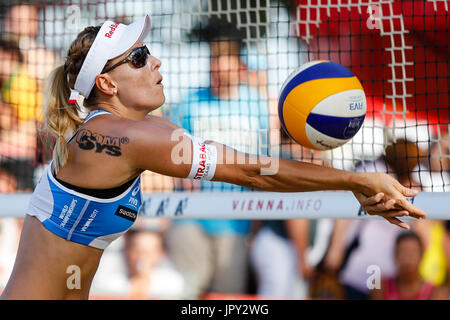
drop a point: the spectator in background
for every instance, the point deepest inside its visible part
(278, 251)
(278, 256)
(10, 58)
(325, 282)
(22, 90)
(433, 172)
(8, 183)
(447, 254)
(371, 242)
(145, 271)
(20, 93)
(10, 229)
(407, 283)
(21, 25)
(149, 274)
(442, 164)
(17, 135)
(407, 159)
(212, 254)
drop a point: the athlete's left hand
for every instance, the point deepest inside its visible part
(390, 204)
(375, 206)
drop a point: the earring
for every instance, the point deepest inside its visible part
(115, 91)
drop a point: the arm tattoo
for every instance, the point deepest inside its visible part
(88, 140)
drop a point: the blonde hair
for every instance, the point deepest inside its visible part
(61, 117)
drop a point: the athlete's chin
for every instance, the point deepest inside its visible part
(163, 98)
(159, 102)
(155, 97)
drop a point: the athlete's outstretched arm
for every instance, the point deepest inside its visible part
(164, 149)
(378, 193)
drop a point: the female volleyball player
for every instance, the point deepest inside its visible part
(90, 194)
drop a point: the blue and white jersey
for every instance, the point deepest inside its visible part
(81, 218)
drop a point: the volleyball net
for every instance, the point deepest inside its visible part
(223, 63)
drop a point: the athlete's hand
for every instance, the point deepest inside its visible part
(384, 196)
(375, 206)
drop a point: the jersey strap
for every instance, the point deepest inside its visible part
(91, 115)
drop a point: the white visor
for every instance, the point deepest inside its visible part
(112, 40)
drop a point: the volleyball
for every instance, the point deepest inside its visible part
(322, 105)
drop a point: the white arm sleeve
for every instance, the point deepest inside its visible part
(204, 159)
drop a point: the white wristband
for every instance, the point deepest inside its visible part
(204, 159)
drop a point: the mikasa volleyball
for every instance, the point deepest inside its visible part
(322, 105)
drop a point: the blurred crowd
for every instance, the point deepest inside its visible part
(200, 259)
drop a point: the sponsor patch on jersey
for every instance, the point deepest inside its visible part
(126, 213)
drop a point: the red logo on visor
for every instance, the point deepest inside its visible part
(112, 28)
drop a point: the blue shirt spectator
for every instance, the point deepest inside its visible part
(241, 122)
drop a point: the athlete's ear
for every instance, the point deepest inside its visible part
(105, 84)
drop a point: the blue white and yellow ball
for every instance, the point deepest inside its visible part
(322, 105)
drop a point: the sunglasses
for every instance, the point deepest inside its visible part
(138, 58)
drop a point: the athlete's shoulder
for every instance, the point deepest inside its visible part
(113, 122)
(151, 119)
(152, 141)
(152, 130)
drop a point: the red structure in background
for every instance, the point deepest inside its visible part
(398, 49)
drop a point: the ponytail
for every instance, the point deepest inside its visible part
(61, 117)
